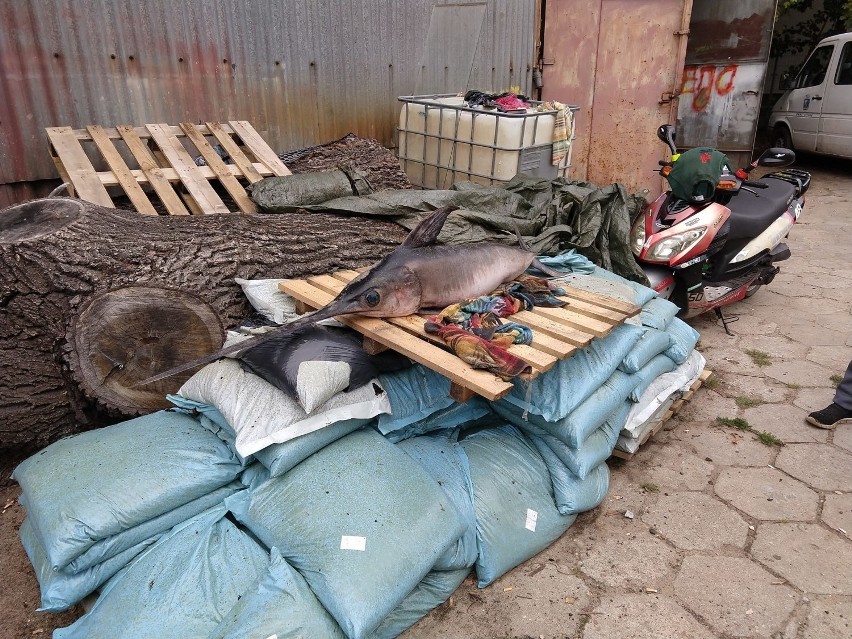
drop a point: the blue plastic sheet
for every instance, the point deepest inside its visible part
(92, 486)
(362, 521)
(61, 589)
(180, 587)
(516, 517)
(556, 393)
(657, 313)
(440, 457)
(414, 394)
(653, 343)
(446, 418)
(280, 605)
(434, 590)
(684, 339)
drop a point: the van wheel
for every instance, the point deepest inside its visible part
(781, 137)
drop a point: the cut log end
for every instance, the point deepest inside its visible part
(37, 218)
(127, 335)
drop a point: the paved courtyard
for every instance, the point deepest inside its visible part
(730, 536)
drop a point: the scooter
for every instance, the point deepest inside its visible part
(703, 256)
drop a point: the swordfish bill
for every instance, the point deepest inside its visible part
(417, 275)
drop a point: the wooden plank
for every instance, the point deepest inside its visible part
(245, 165)
(78, 167)
(554, 329)
(539, 360)
(199, 188)
(258, 146)
(602, 300)
(594, 311)
(108, 178)
(119, 167)
(481, 382)
(231, 184)
(574, 320)
(148, 165)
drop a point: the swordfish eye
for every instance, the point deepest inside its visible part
(372, 297)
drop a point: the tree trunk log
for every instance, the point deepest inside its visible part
(94, 299)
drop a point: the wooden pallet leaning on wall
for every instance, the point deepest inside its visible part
(673, 410)
(156, 162)
(557, 333)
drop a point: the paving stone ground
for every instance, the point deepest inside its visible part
(731, 537)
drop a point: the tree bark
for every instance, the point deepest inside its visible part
(94, 299)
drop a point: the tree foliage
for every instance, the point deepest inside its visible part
(834, 16)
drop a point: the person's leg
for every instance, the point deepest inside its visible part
(840, 411)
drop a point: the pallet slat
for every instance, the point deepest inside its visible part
(148, 164)
(226, 142)
(199, 188)
(234, 188)
(78, 167)
(258, 147)
(121, 171)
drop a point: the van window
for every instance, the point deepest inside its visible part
(813, 73)
(844, 67)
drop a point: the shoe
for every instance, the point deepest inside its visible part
(830, 417)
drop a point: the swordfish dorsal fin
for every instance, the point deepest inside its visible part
(427, 231)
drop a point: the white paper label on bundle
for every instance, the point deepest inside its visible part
(348, 542)
(532, 518)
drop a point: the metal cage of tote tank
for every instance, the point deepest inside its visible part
(441, 140)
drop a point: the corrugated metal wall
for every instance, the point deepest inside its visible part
(303, 72)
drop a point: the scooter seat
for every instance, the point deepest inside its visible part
(752, 214)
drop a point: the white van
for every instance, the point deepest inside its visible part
(815, 114)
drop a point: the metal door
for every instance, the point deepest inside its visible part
(621, 61)
(723, 78)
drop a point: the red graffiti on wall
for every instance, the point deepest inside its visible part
(703, 81)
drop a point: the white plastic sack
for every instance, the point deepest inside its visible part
(180, 587)
(268, 300)
(262, 415)
(661, 389)
(362, 522)
(88, 488)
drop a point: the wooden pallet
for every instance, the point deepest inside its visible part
(557, 333)
(152, 160)
(673, 410)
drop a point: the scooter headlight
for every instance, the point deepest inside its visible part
(666, 249)
(637, 236)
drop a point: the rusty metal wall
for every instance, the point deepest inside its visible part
(621, 62)
(722, 83)
(303, 72)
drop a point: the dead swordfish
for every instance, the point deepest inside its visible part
(418, 275)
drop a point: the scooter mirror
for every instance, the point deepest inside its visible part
(666, 133)
(776, 157)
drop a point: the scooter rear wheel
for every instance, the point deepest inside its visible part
(751, 290)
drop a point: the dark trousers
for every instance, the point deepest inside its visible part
(843, 396)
